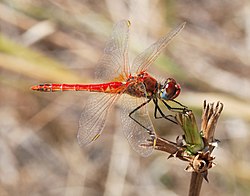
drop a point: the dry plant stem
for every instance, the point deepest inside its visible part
(195, 184)
(209, 120)
(166, 146)
(201, 160)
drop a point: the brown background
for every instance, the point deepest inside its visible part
(61, 41)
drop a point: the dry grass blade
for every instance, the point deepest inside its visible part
(17, 58)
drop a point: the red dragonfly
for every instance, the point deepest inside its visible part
(136, 86)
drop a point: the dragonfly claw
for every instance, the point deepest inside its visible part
(151, 143)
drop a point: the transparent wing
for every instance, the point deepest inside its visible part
(114, 63)
(134, 132)
(94, 115)
(146, 58)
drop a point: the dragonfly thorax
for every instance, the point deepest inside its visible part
(169, 90)
(142, 85)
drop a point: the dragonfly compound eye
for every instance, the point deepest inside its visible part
(171, 89)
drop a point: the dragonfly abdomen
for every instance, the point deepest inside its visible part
(111, 87)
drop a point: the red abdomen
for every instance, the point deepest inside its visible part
(111, 87)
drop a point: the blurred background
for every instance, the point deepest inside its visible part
(61, 41)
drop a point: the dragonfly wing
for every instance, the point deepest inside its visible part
(135, 133)
(93, 118)
(114, 63)
(146, 58)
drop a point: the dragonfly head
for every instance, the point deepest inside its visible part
(169, 90)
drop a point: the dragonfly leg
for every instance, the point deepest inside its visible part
(137, 108)
(184, 109)
(157, 108)
(179, 103)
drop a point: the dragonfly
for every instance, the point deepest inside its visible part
(132, 84)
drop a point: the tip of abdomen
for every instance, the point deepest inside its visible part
(42, 88)
(35, 88)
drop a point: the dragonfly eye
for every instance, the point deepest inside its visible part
(170, 90)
